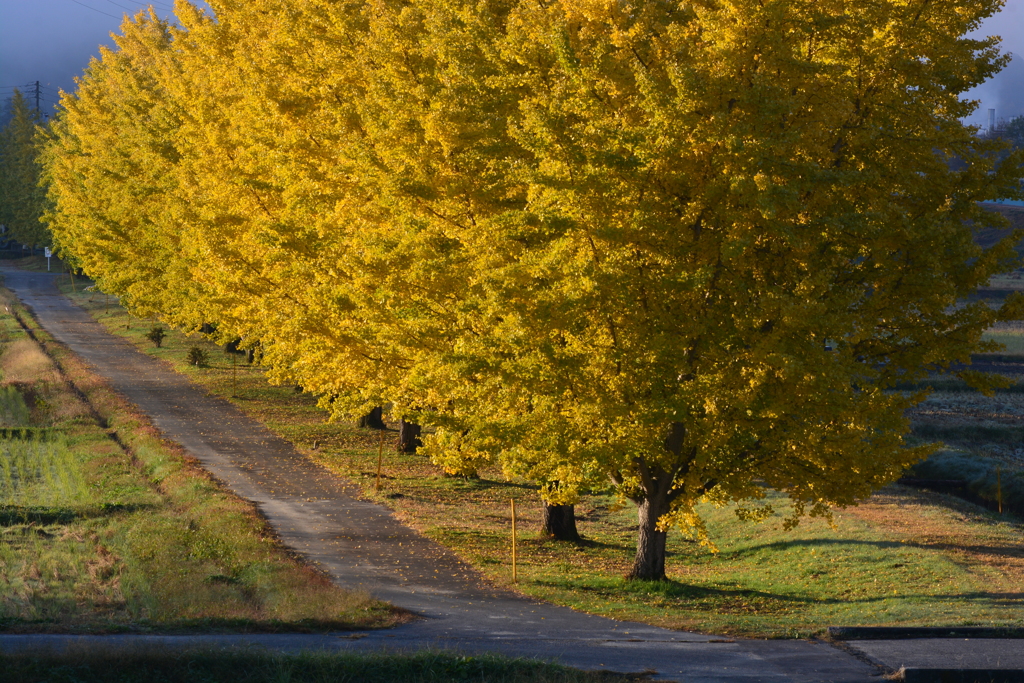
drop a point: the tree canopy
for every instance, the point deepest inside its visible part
(688, 248)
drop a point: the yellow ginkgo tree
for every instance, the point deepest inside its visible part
(116, 207)
(686, 248)
(691, 248)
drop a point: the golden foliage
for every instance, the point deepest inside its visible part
(687, 247)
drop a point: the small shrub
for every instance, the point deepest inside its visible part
(196, 356)
(156, 335)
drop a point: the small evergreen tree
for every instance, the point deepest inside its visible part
(1014, 131)
(22, 199)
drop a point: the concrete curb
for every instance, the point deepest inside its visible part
(963, 676)
(908, 632)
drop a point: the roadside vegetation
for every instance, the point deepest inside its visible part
(904, 557)
(258, 666)
(103, 527)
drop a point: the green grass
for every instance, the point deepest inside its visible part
(257, 666)
(40, 472)
(97, 538)
(900, 559)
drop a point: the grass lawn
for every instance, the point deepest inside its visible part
(99, 537)
(902, 558)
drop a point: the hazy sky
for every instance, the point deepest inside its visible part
(1005, 92)
(51, 41)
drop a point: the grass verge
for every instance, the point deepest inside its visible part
(107, 528)
(899, 559)
(265, 667)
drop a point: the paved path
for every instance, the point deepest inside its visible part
(363, 547)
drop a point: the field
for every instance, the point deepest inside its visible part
(105, 528)
(1009, 334)
(903, 557)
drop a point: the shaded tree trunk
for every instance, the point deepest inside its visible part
(649, 563)
(559, 522)
(408, 437)
(657, 484)
(232, 346)
(373, 419)
(208, 328)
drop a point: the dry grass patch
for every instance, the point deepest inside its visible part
(25, 363)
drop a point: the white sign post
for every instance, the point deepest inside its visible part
(47, 253)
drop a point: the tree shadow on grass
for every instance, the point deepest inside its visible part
(749, 600)
(1007, 551)
(1012, 551)
(812, 543)
(586, 542)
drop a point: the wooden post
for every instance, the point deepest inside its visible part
(380, 456)
(999, 489)
(515, 577)
(234, 384)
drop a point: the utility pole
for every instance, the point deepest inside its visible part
(37, 96)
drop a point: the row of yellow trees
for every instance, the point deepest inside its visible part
(684, 247)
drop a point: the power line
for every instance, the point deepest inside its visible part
(33, 90)
(166, 9)
(94, 9)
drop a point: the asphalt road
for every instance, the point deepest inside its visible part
(363, 547)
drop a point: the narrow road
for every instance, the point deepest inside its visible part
(363, 547)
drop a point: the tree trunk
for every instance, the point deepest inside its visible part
(373, 419)
(649, 564)
(559, 522)
(408, 437)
